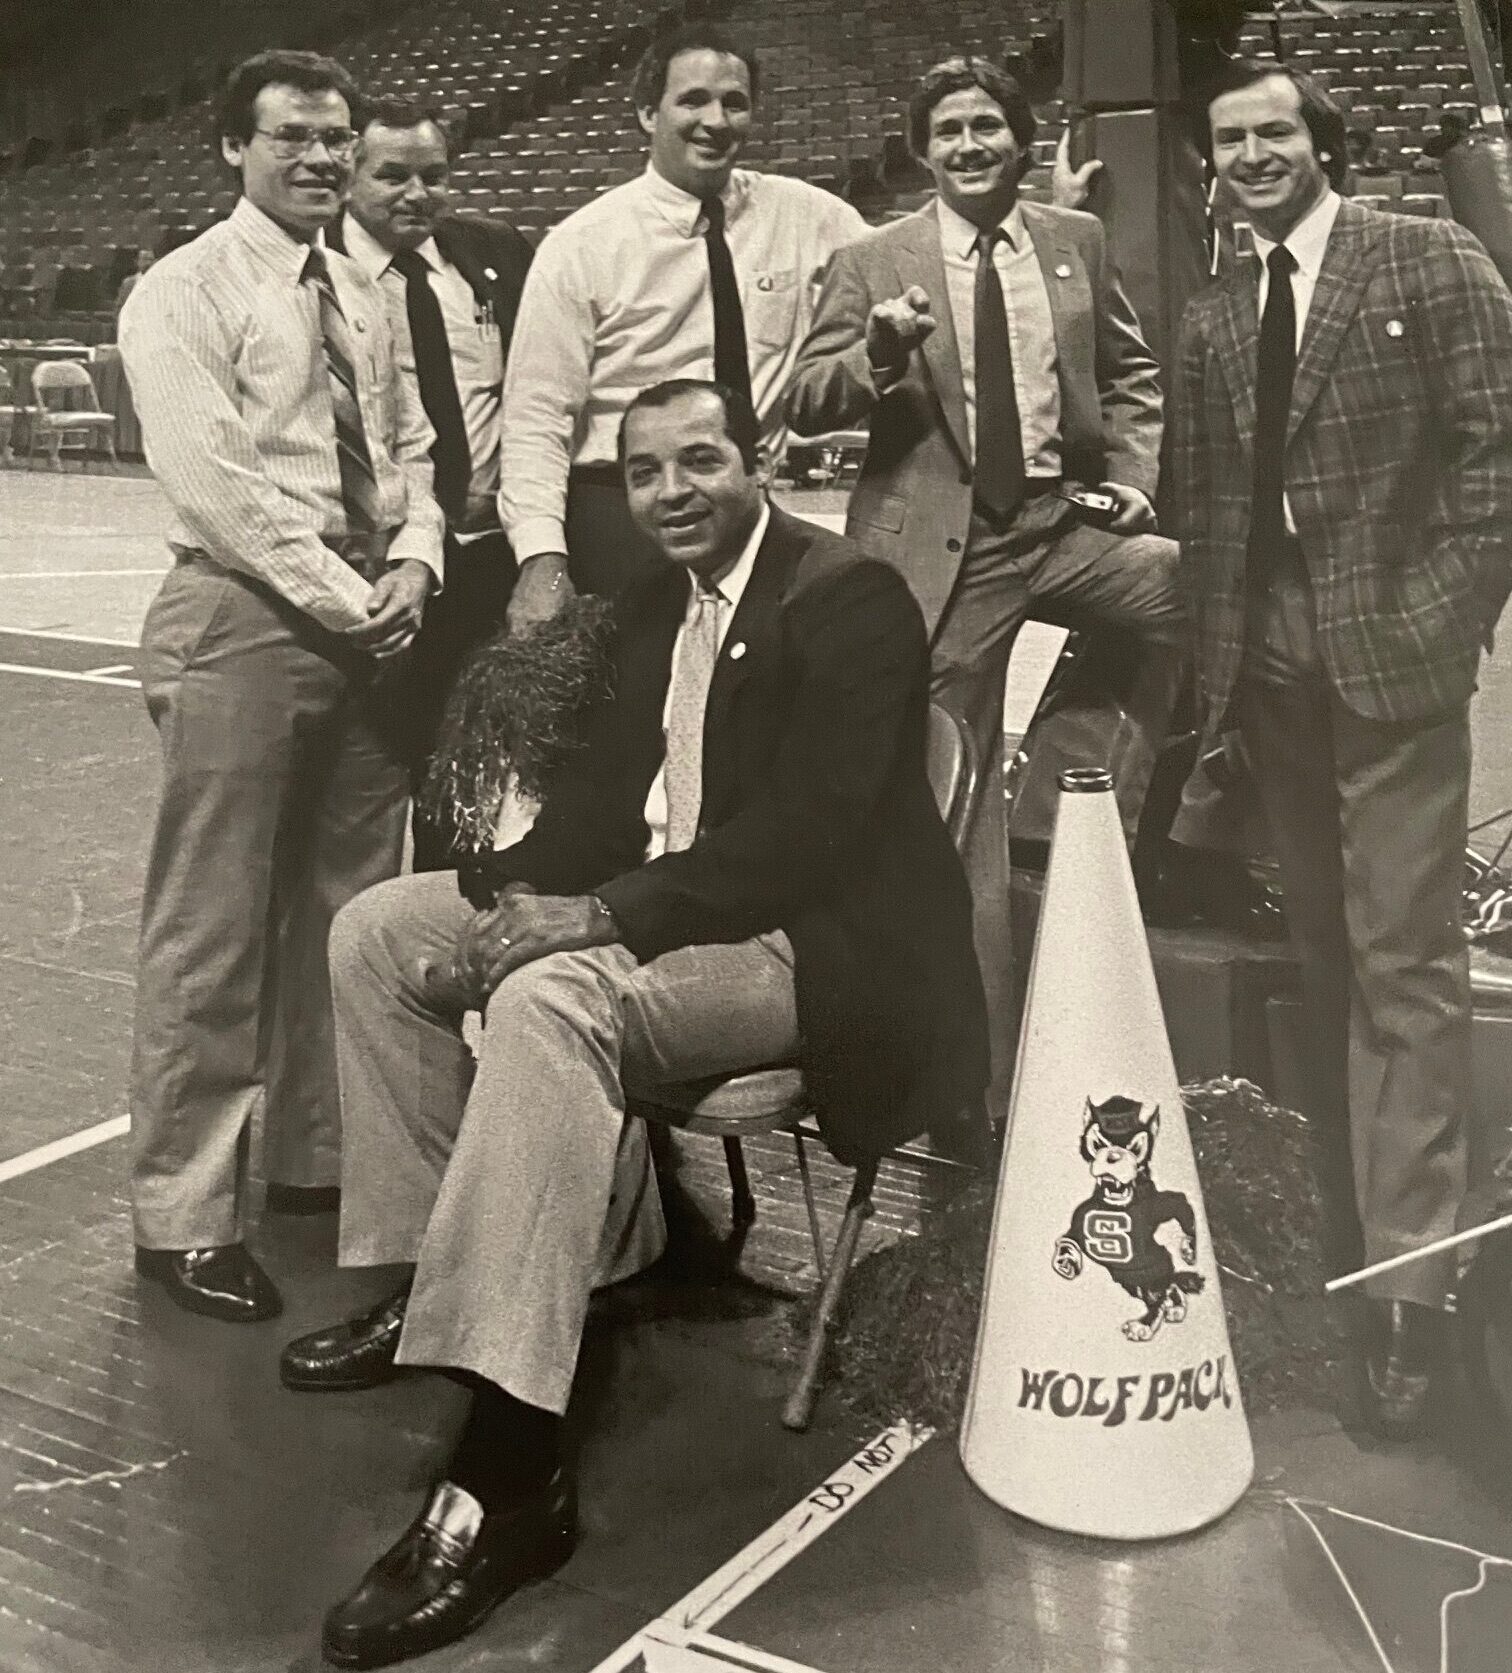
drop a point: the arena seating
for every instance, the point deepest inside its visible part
(536, 97)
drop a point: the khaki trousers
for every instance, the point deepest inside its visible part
(1369, 823)
(279, 802)
(515, 1183)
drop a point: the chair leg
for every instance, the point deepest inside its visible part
(742, 1202)
(800, 1403)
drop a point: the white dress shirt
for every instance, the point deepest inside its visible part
(1308, 242)
(1031, 330)
(477, 355)
(728, 591)
(618, 298)
(222, 343)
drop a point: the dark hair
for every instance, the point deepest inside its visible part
(955, 75)
(739, 415)
(396, 113)
(309, 72)
(1323, 116)
(650, 79)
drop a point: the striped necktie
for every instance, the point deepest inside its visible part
(359, 483)
(697, 652)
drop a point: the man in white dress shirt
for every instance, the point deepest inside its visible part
(296, 461)
(453, 287)
(694, 269)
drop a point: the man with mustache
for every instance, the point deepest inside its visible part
(744, 866)
(1343, 464)
(990, 348)
(453, 286)
(696, 268)
(296, 460)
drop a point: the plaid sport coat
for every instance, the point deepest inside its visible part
(1398, 463)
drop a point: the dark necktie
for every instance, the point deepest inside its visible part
(450, 452)
(1275, 367)
(359, 484)
(999, 475)
(731, 367)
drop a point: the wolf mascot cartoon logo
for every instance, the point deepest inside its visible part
(1116, 1225)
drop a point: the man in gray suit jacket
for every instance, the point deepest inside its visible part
(993, 391)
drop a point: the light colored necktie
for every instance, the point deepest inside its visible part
(359, 483)
(689, 697)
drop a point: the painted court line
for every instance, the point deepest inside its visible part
(68, 674)
(73, 574)
(674, 1642)
(69, 638)
(59, 1148)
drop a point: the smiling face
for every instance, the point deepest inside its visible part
(973, 156)
(1263, 153)
(400, 184)
(305, 192)
(688, 486)
(702, 121)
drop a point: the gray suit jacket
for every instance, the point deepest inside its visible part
(912, 506)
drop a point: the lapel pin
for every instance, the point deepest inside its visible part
(1063, 271)
(1395, 328)
(490, 275)
(357, 325)
(764, 282)
(737, 650)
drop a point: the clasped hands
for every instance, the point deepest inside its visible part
(521, 927)
(395, 609)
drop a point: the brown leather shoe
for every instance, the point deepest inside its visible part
(358, 1353)
(222, 1283)
(1408, 1342)
(450, 1569)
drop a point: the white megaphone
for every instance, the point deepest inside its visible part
(1103, 1397)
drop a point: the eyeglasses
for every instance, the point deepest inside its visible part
(293, 139)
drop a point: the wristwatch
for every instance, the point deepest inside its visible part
(602, 914)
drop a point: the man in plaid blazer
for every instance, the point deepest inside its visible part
(1343, 465)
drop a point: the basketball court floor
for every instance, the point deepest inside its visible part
(166, 1507)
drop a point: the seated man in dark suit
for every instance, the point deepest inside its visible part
(744, 865)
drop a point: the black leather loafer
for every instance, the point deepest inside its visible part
(356, 1354)
(452, 1567)
(222, 1283)
(1408, 1341)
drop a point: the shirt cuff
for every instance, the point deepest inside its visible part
(415, 543)
(533, 535)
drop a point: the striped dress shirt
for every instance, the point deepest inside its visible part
(221, 342)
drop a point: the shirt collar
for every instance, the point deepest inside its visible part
(268, 241)
(959, 236)
(1308, 240)
(684, 211)
(373, 258)
(732, 585)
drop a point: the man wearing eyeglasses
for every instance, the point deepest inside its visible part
(307, 540)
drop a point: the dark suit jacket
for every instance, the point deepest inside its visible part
(817, 819)
(912, 505)
(492, 256)
(1398, 463)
